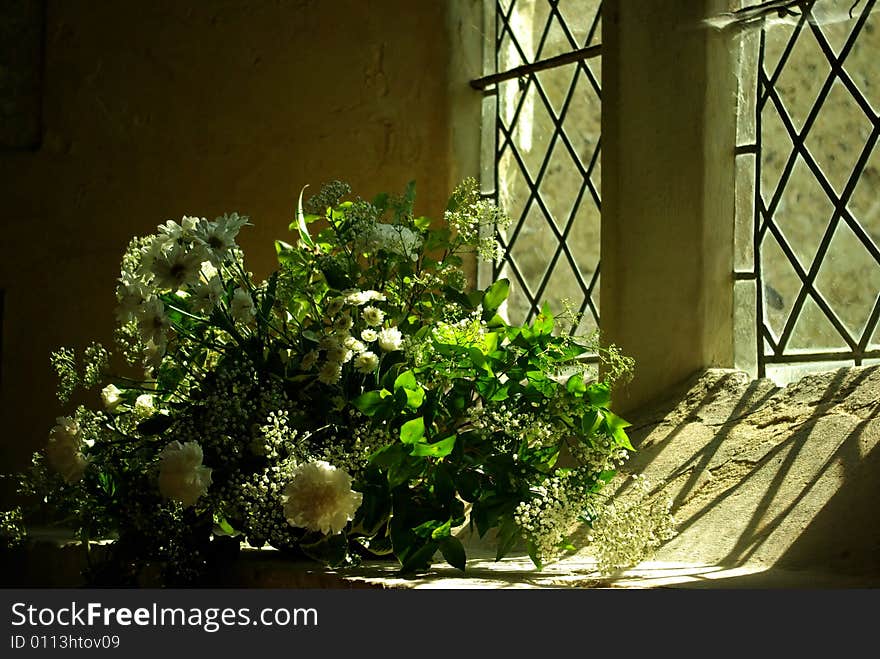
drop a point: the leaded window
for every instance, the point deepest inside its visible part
(541, 152)
(808, 217)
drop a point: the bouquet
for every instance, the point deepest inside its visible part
(362, 401)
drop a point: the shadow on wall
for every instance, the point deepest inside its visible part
(764, 476)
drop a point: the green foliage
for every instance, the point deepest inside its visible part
(365, 360)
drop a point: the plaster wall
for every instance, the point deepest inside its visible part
(154, 110)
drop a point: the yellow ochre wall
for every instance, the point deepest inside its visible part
(155, 110)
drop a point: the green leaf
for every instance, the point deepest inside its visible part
(370, 402)
(494, 297)
(301, 221)
(599, 394)
(413, 430)
(453, 552)
(543, 323)
(436, 450)
(615, 428)
(442, 531)
(589, 423)
(406, 379)
(575, 384)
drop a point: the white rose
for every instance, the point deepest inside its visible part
(319, 498)
(143, 405)
(110, 395)
(182, 476)
(63, 450)
(390, 339)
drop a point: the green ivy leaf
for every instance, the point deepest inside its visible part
(575, 385)
(371, 402)
(436, 450)
(543, 323)
(413, 430)
(615, 429)
(599, 394)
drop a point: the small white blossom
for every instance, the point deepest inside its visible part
(206, 295)
(143, 405)
(153, 322)
(309, 360)
(358, 298)
(369, 335)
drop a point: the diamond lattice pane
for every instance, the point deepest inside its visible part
(561, 184)
(838, 137)
(813, 332)
(801, 77)
(533, 248)
(781, 285)
(803, 212)
(582, 18)
(864, 203)
(861, 61)
(849, 279)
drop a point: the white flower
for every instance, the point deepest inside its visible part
(309, 360)
(110, 395)
(366, 362)
(340, 355)
(206, 295)
(63, 450)
(329, 342)
(130, 294)
(390, 339)
(152, 321)
(175, 232)
(154, 353)
(182, 476)
(178, 266)
(353, 344)
(369, 335)
(143, 405)
(343, 323)
(373, 316)
(330, 373)
(219, 236)
(357, 298)
(319, 498)
(242, 306)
